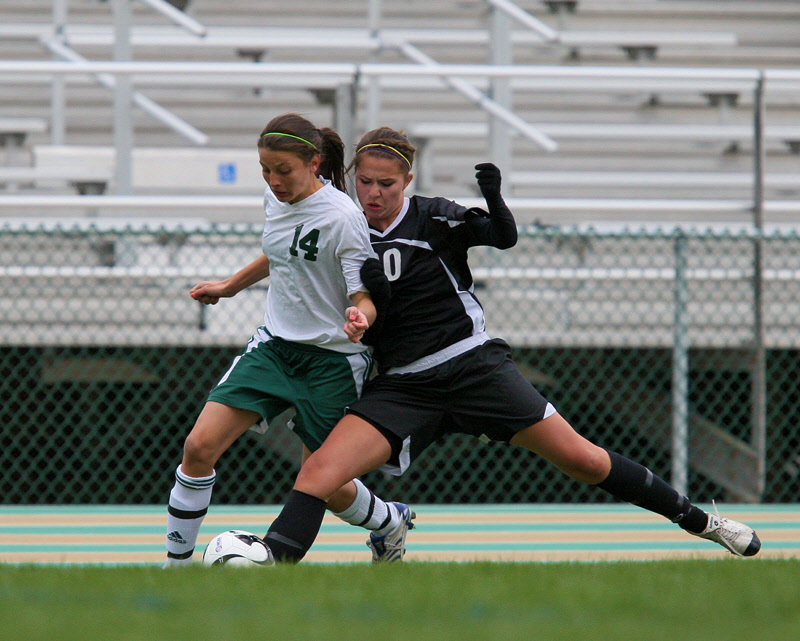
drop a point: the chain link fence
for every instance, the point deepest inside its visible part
(647, 341)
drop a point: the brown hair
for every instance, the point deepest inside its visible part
(383, 142)
(291, 132)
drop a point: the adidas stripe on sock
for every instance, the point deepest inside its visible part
(188, 504)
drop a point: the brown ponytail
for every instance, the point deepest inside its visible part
(332, 166)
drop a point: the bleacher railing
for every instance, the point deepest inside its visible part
(345, 80)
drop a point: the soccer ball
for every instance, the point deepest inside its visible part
(237, 548)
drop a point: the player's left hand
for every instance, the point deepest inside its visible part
(374, 279)
(489, 178)
(356, 324)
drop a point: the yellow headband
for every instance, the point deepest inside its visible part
(278, 133)
(386, 148)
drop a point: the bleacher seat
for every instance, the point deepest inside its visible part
(612, 125)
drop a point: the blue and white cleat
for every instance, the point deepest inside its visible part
(391, 546)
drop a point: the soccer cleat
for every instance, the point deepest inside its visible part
(737, 537)
(391, 546)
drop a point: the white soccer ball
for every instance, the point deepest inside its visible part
(237, 548)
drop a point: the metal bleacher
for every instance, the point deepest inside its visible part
(661, 124)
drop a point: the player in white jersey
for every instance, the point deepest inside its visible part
(440, 372)
(311, 245)
(307, 355)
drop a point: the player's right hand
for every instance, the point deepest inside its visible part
(207, 293)
(356, 324)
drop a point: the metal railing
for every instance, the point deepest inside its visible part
(495, 100)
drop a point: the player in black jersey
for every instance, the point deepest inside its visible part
(439, 371)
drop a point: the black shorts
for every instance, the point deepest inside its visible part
(480, 392)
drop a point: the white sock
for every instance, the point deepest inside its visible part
(392, 520)
(188, 504)
(369, 511)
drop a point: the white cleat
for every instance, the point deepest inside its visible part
(391, 546)
(738, 538)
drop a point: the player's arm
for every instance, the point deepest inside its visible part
(380, 290)
(496, 227)
(209, 292)
(360, 316)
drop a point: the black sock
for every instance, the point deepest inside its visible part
(293, 532)
(634, 483)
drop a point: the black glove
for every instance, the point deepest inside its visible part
(489, 179)
(374, 279)
(380, 290)
(499, 230)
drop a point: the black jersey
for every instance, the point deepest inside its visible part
(424, 256)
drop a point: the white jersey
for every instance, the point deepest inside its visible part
(315, 248)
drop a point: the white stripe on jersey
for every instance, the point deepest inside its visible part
(406, 241)
(398, 219)
(442, 356)
(449, 221)
(471, 306)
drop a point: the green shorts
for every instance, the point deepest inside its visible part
(273, 375)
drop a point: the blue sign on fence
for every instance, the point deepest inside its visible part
(226, 173)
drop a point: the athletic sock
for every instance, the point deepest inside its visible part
(392, 520)
(188, 504)
(367, 510)
(634, 483)
(294, 531)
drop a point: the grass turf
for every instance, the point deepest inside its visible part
(607, 601)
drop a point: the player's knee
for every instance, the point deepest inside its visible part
(311, 473)
(591, 465)
(199, 451)
(318, 478)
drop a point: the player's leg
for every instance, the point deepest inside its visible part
(387, 521)
(500, 401)
(355, 503)
(554, 439)
(332, 383)
(217, 427)
(353, 448)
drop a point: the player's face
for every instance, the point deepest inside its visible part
(380, 187)
(289, 177)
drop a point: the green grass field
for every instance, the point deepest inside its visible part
(671, 600)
